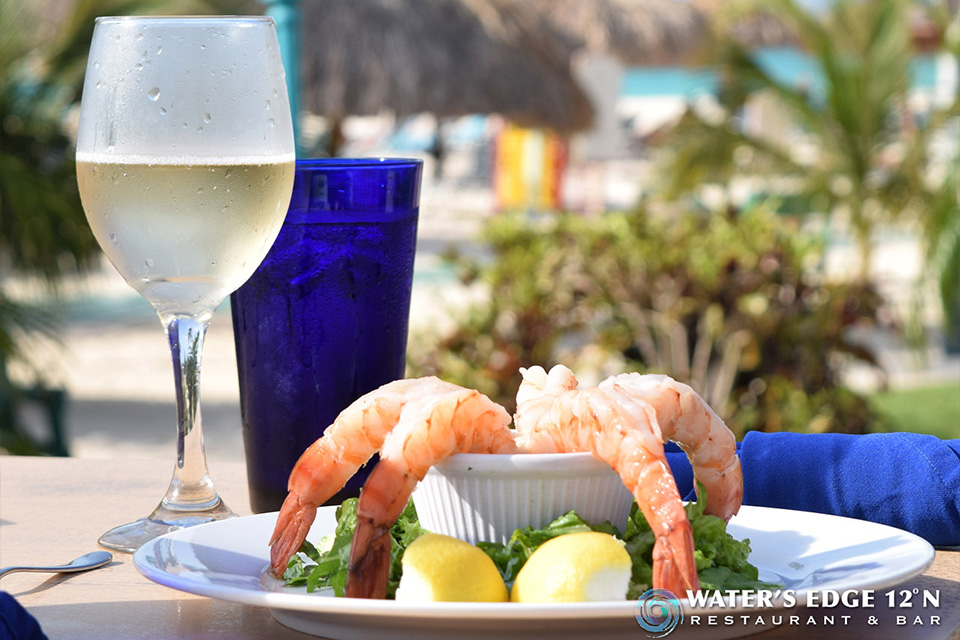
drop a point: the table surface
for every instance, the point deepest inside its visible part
(54, 509)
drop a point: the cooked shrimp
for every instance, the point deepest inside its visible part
(346, 445)
(622, 431)
(535, 399)
(685, 418)
(430, 429)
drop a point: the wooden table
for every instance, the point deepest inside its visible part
(54, 509)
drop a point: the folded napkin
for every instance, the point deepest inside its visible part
(905, 480)
(15, 622)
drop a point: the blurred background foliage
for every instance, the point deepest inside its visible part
(724, 294)
(725, 301)
(43, 232)
(858, 150)
(730, 296)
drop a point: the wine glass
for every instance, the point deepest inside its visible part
(185, 163)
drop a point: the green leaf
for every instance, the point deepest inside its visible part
(329, 568)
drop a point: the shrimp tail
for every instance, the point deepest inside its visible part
(384, 496)
(674, 567)
(369, 568)
(459, 421)
(293, 523)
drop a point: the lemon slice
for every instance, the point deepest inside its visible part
(438, 568)
(576, 567)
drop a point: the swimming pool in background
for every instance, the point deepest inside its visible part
(785, 64)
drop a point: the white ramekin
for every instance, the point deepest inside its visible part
(485, 497)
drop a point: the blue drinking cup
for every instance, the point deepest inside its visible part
(324, 319)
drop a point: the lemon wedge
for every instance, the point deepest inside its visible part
(438, 568)
(576, 567)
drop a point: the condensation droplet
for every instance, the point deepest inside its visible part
(153, 94)
(96, 64)
(199, 127)
(184, 125)
(163, 111)
(271, 122)
(139, 67)
(203, 46)
(159, 49)
(99, 84)
(200, 190)
(148, 262)
(139, 36)
(266, 105)
(228, 172)
(113, 239)
(206, 117)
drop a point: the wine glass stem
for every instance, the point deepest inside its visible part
(191, 488)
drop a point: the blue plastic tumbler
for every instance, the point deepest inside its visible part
(324, 319)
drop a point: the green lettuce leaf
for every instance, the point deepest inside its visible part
(327, 565)
(511, 557)
(720, 558)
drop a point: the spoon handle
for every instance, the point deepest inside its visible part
(64, 569)
(5, 570)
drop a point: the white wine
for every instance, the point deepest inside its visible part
(185, 162)
(185, 234)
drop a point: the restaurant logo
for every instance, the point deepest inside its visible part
(658, 611)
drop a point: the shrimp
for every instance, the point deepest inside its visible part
(430, 429)
(535, 399)
(685, 418)
(346, 445)
(623, 432)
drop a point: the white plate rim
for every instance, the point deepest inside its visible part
(921, 555)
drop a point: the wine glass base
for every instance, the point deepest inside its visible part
(131, 536)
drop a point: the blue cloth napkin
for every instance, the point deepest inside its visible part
(905, 480)
(15, 622)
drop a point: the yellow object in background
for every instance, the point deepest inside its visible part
(529, 169)
(576, 567)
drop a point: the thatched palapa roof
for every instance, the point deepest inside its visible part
(638, 32)
(447, 57)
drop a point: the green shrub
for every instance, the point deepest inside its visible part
(728, 303)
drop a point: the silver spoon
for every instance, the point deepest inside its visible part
(85, 562)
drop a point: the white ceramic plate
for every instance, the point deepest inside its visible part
(804, 551)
